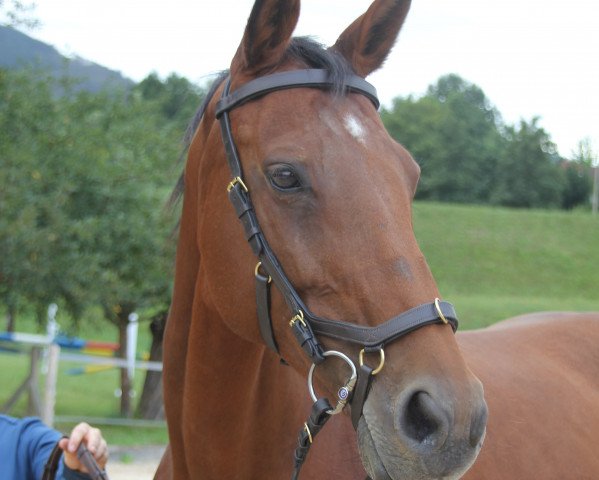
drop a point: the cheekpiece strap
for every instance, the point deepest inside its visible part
(263, 310)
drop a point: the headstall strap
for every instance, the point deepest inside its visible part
(304, 324)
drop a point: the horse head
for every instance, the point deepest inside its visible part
(332, 194)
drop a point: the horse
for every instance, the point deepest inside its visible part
(291, 135)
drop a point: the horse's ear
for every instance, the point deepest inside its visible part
(367, 42)
(266, 35)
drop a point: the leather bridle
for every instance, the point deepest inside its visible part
(305, 324)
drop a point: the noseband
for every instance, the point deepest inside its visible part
(305, 324)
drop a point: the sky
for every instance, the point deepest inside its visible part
(530, 57)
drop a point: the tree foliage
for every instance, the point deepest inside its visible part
(85, 180)
(467, 154)
(86, 176)
(453, 134)
(529, 173)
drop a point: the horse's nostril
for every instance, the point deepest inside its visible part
(422, 419)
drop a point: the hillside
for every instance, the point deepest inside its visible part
(18, 50)
(496, 262)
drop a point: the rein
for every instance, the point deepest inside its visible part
(84, 456)
(305, 324)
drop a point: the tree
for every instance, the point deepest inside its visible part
(39, 263)
(81, 218)
(578, 176)
(529, 173)
(453, 133)
(121, 201)
(177, 98)
(584, 181)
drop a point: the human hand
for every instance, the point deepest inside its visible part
(92, 439)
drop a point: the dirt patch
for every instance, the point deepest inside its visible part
(134, 463)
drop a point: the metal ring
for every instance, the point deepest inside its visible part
(381, 362)
(439, 312)
(344, 392)
(256, 271)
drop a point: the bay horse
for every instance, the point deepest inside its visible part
(291, 135)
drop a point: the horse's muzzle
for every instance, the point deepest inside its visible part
(425, 434)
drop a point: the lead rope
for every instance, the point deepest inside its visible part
(318, 418)
(84, 456)
(52, 463)
(93, 469)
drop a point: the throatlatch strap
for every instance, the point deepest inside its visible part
(318, 418)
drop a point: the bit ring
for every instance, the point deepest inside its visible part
(344, 393)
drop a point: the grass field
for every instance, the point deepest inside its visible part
(491, 263)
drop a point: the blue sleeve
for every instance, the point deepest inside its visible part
(26, 445)
(34, 442)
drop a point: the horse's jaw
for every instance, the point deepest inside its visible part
(384, 462)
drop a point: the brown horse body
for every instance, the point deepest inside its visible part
(333, 192)
(541, 379)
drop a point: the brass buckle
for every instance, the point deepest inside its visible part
(235, 181)
(298, 318)
(439, 312)
(381, 361)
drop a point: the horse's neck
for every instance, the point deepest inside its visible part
(242, 407)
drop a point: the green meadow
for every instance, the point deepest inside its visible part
(491, 263)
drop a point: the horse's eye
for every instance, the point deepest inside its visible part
(284, 177)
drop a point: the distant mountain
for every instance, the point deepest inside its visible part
(18, 49)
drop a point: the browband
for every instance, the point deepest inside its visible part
(310, 78)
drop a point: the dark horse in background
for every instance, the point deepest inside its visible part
(332, 193)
